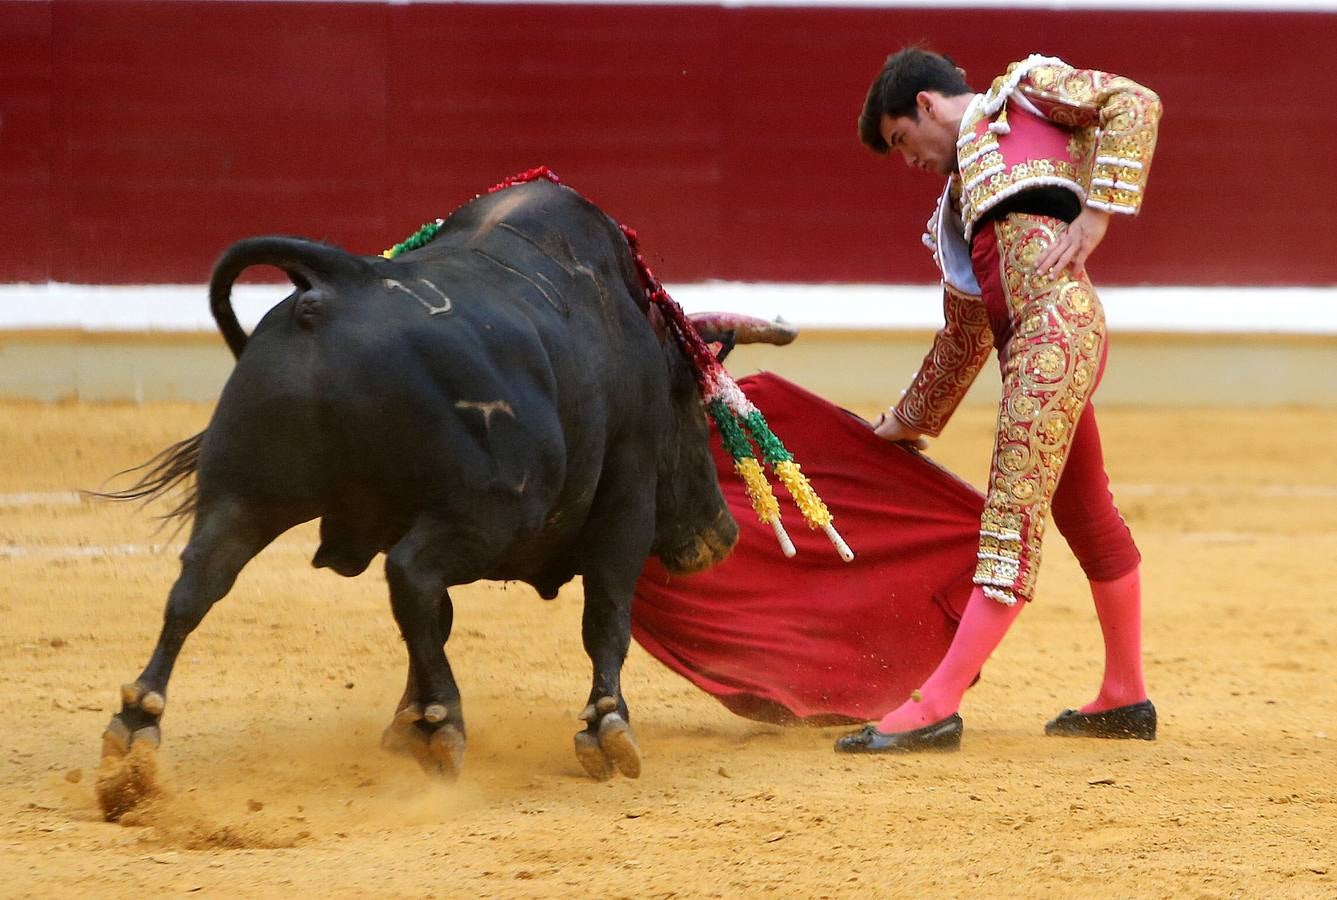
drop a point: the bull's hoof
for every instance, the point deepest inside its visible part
(619, 745)
(608, 747)
(128, 773)
(438, 749)
(400, 734)
(445, 752)
(592, 758)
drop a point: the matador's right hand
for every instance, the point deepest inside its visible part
(890, 428)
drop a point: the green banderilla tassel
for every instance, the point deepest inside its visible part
(757, 487)
(815, 512)
(731, 432)
(418, 239)
(772, 450)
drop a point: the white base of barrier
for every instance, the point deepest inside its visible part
(858, 345)
(1219, 310)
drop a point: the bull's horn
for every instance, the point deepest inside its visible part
(304, 262)
(716, 326)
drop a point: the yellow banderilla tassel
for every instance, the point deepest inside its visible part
(763, 500)
(805, 498)
(758, 489)
(814, 510)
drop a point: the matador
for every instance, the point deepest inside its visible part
(1035, 167)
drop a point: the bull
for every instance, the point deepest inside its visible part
(501, 403)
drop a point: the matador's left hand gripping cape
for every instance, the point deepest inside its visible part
(1041, 124)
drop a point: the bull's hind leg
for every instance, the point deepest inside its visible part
(225, 536)
(617, 541)
(430, 721)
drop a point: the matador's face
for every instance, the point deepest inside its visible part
(928, 142)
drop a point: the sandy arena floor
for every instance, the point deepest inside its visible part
(277, 786)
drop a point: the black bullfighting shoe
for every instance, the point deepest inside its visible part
(940, 736)
(1135, 722)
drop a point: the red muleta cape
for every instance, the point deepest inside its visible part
(814, 640)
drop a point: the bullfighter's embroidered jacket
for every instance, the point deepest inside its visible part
(1042, 123)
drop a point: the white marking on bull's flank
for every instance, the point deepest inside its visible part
(393, 285)
(55, 498)
(446, 302)
(487, 408)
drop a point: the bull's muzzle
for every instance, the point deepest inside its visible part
(705, 549)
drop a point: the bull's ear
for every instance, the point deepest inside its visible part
(306, 263)
(733, 328)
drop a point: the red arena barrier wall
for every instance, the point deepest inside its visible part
(138, 139)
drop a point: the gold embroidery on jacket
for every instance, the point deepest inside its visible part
(1025, 175)
(1113, 121)
(1120, 119)
(958, 353)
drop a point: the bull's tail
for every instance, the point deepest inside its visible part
(173, 467)
(306, 263)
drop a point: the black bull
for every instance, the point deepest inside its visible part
(498, 404)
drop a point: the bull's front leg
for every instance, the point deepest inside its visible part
(607, 743)
(616, 541)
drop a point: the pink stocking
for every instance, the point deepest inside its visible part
(1119, 608)
(982, 628)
